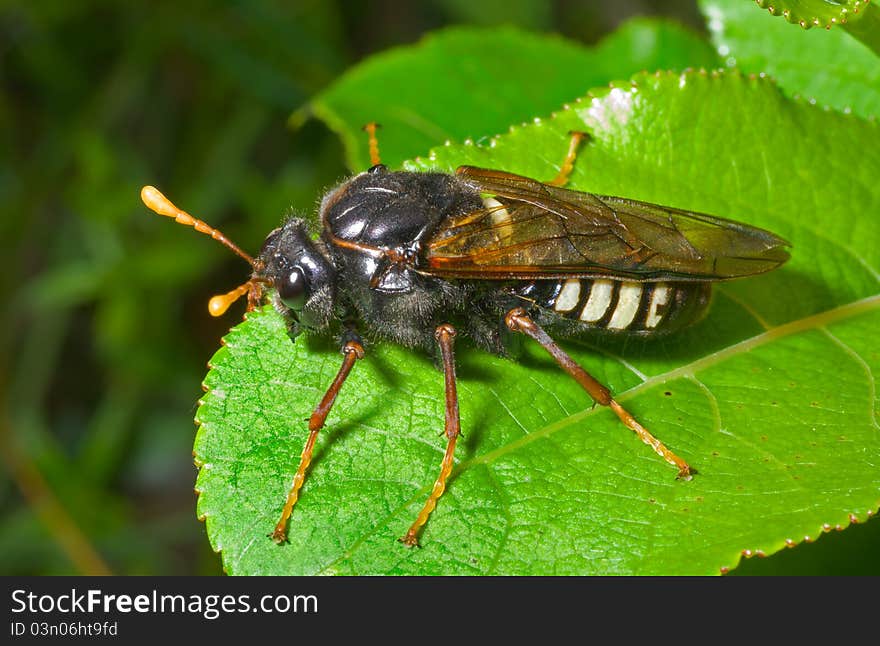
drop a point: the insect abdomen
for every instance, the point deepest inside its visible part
(622, 306)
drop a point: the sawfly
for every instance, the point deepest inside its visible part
(419, 258)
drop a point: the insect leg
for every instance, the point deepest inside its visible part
(371, 128)
(445, 334)
(561, 179)
(352, 351)
(519, 321)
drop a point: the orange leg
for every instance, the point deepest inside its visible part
(444, 335)
(352, 351)
(519, 321)
(568, 163)
(371, 128)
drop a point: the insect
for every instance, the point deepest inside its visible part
(417, 258)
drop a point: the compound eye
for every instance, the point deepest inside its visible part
(292, 289)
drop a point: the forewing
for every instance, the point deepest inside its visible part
(533, 230)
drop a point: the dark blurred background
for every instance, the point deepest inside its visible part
(106, 334)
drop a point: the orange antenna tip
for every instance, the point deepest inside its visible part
(218, 304)
(157, 202)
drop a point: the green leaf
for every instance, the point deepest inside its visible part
(468, 82)
(831, 67)
(772, 397)
(816, 13)
(856, 16)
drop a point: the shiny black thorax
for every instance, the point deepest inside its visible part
(375, 228)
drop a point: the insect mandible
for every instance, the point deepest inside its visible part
(417, 258)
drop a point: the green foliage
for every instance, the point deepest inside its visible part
(468, 83)
(543, 483)
(857, 16)
(835, 67)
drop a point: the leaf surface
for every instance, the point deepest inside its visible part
(772, 397)
(468, 82)
(833, 67)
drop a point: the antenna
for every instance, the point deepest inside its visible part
(370, 129)
(157, 202)
(218, 305)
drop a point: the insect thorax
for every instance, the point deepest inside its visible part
(383, 208)
(394, 212)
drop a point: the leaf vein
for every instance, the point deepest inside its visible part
(508, 521)
(872, 385)
(508, 411)
(743, 304)
(713, 401)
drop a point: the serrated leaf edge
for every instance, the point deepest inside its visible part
(828, 20)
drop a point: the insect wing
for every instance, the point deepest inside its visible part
(528, 229)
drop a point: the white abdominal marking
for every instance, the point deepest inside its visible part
(628, 301)
(500, 217)
(600, 298)
(569, 296)
(657, 308)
